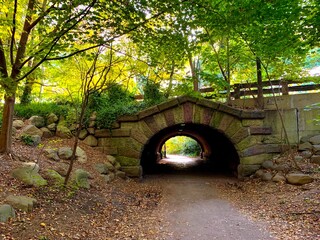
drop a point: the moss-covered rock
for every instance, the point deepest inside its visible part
(127, 161)
(81, 178)
(28, 176)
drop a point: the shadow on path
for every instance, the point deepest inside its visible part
(193, 209)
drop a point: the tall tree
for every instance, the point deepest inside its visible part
(59, 25)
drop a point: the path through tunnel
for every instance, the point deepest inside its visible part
(218, 152)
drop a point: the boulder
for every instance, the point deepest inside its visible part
(267, 176)
(81, 155)
(91, 130)
(109, 177)
(65, 153)
(31, 130)
(259, 173)
(52, 118)
(279, 178)
(315, 140)
(62, 169)
(81, 178)
(29, 176)
(305, 138)
(268, 164)
(111, 159)
(284, 167)
(245, 170)
(6, 212)
(305, 146)
(316, 149)
(110, 167)
(298, 178)
(55, 177)
(63, 132)
(315, 159)
(117, 166)
(121, 174)
(46, 133)
(52, 154)
(91, 141)
(18, 124)
(23, 203)
(37, 121)
(32, 166)
(52, 127)
(83, 134)
(101, 168)
(35, 140)
(133, 171)
(306, 154)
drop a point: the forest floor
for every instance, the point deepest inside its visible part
(135, 209)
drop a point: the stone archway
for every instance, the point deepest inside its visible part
(218, 151)
(244, 129)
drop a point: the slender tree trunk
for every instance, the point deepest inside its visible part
(193, 74)
(169, 89)
(26, 95)
(260, 102)
(75, 144)
(7, 119)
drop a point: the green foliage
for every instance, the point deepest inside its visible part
(27, 139)
(183, 145)
(152, 94)
(191, 148)
(112, 104)
(41, 109)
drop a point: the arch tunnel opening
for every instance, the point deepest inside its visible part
(218, 153)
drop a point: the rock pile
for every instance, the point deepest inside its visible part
(110, 169)
(309, 147)
(279, 171)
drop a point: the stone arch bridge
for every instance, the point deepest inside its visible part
(230, 138)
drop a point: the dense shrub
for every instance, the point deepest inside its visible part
(112, 104)
(40, 109)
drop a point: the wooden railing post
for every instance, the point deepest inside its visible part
(284, 87)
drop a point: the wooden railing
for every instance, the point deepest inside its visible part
(276, 86)
(279, 87)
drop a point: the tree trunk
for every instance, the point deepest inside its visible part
(260, 102)
(26, 95)
(169, 89)
(7, 119)
(194, 74)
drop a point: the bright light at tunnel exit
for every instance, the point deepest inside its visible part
(180, 150)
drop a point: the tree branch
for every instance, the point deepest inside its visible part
(3, 64)
(13, 30)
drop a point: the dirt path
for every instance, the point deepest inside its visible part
(193, 210)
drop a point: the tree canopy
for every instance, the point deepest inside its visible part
(181, 45)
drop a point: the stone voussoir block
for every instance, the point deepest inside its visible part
(230, 110)
(168, 104)
(208, 104)
(184, 99)
(148, 112)
(119, 132)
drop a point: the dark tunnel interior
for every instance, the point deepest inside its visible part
(219, 154)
